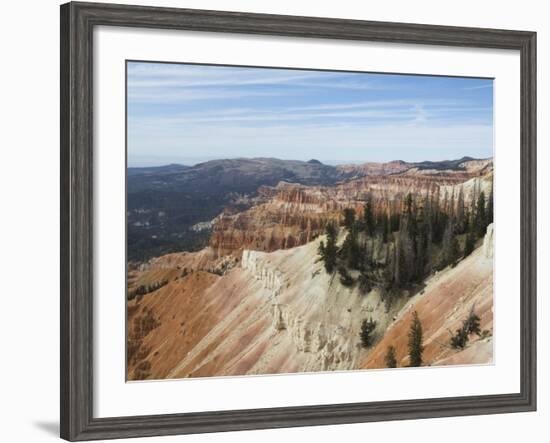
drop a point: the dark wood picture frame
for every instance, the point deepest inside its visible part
(77, 23)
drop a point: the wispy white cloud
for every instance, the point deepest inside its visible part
(413, 111)
(154, 83)
(164, 96)
(175, 111)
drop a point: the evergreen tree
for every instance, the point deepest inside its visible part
(470, 244)
(385, 228)
(472, 323)
(394, 213)
(415, 341)
(460, 339)
(391, 361)
(408, 204)
(367, 328)
(345, 278)
(351, 252)
(421, 258)
(445, 206)
(467, 221)
(490, 209)
(460, 213)
(404, 256)
(429, 241)
(364, 282)
(394, 222)
(454, 251)
(368, 217)
(480, 217)
(450, 251)
(331, 231)
(435, 213)
(328, 252)
(349, 218)
(321, 250)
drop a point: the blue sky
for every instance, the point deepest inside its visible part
(181, 113)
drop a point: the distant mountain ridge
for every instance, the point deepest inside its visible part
(241, 174)
(165, 202)
(164, 169)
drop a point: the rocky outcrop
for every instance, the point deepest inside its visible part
(270, 277)
(373, 168)
(276, 312)
(291, 214)
(279, 322)
(258, 301)
(278, 224)
(281, 312)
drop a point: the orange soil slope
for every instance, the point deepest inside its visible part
(444, 304)
(279, 312)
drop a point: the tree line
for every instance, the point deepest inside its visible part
(420, 234)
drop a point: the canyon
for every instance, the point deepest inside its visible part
(256, 298)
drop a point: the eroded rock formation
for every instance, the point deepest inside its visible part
(258, 300)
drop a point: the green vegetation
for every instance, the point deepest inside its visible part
(366, 334)
(395, 244)
(345, 278)
(415, 342)
(390, 359)
(328, 252)
(470, 244)
(471, 325)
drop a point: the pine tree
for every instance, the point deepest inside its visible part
(454, 251)
(445, 208)
(349, 218)
(368, 217)
(480, 217)
(350, 251)
(422, 256)
(408, 204)
(450, 250)
(321, 250)
(472, 323)
(404, 255)
(345, 278)
(429, 243)
(364, 282)
(460, 339)
(470, 244)
(394, 222)
(460, 212)
(367, 328)
(385, 228)
(415, 341)
(490, 209)
(391, 361)
(328, 252)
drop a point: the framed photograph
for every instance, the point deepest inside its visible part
(272, 221)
